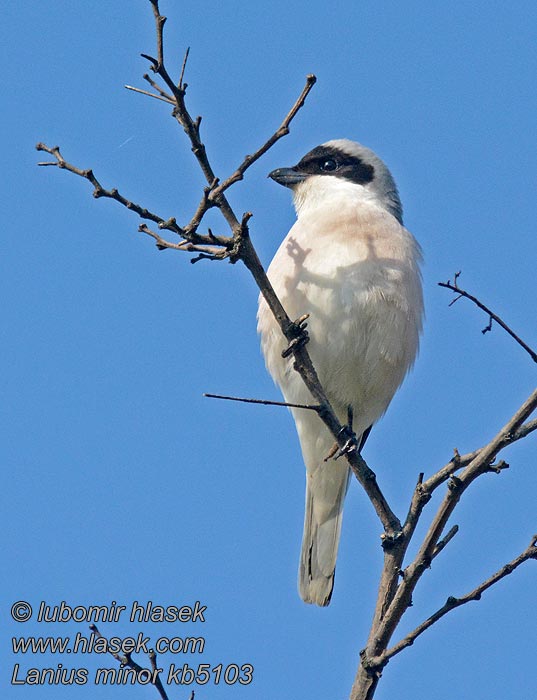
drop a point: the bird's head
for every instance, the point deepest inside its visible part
(340, 168)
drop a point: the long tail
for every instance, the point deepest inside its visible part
(325, 493)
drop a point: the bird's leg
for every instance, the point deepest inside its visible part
(299, 335)
(351, 443)
(350, 416)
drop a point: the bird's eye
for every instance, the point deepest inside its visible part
(328, 165)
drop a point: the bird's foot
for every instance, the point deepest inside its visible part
(300, 335)
(351, 442)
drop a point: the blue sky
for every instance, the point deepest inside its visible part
(120, 481)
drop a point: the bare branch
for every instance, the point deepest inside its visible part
(182, 115)
(444, 541)
(480, 464)
(157, 87)
(127, 660)
(159, 21)
(180, 84)
(150, 94)
(266, 402)
(460, 461)
(168, 224)
(283, 130)
(163, 244)
(98, 189)
(394, 596)
(454, 286)
(452, 602)
(204, 205)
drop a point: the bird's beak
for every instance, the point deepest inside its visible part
(288, 177)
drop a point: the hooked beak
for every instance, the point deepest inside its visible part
(288, 177)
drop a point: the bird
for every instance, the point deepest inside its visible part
(350, 264)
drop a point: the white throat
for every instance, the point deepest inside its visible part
(332, 194)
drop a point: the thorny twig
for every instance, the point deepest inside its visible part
(397, 582)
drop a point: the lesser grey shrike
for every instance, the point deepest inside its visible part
(351, 265)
